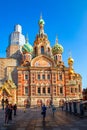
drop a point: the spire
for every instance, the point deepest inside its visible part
(56, 41)
(41, 15)
(70, 53)
(26, 38)
(41, 25)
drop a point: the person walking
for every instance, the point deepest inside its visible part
(7, 111)
(44, 112)
(53, 110)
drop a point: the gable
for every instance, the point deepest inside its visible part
(42, 61)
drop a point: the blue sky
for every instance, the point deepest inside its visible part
(65, 18)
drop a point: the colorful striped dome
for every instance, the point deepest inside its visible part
(57, 48)
(27, 48)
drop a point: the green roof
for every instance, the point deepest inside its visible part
(57, 48)
(41, 21)
(27, 47)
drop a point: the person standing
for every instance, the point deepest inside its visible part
(10, 112)
(44, 111)
(15, 109)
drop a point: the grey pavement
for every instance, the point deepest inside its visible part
(32, 120)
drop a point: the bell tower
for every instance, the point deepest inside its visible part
(41, 43)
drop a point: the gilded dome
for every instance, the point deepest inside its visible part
(27, 48)
(57, 48)
(70, 61)
(71, 71)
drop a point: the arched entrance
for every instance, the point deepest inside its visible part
(39, 102)
(26, 103)
(48, 102)
(61, 102)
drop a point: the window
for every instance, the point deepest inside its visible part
(56, 57)
(44, 90)
(26, 90)
(60, 76)
(26, 76)
(75, 90)
(48, 76)
(35, 50)
(71, 90)
(38, 76)
(79, 88)
(49, 90)
(61, 90)
(48, 49)
(42, 50)
(43, 76)
(39, 90)
(59, 58)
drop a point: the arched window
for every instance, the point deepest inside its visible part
(49, 90)
(60, 76)
(43, 76)
(42, 50)
(48, 76)
(39, 76)
(39, 90)
(79, 88)
(61, 90)
(26, 90)
(56, 57)
(35, 49)
(44, 91)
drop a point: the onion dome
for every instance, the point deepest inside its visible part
(70, 61)
(27, 48)
(57, 48)
(71, 71)
(41, 21)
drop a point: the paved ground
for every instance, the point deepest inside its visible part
(32, 120)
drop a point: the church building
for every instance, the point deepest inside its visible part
(37, 72)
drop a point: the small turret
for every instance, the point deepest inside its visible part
(57, 51)
(41, 25)
(27, 50)
(70, 63)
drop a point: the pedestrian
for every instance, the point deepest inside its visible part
(7, 110)
(44, 111)
(10, 112)
(62, 107)
(53, 109)
(15, 109)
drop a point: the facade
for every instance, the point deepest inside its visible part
(39, 72)
(84, 94)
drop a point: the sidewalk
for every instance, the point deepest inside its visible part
(20, 114)
(32, 120)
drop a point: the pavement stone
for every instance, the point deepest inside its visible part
(32, 120)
